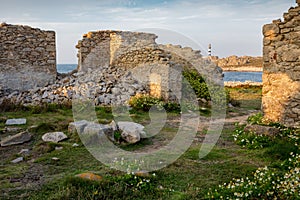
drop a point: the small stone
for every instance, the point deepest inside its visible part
(19, 138)
(55, 159)
(20, 121)
(54, 137)
(75, 145)
(17, 160)
(58, 148)
(114, 125)
(24, 151)
(142, 173)
(12, 129)
(89, 176)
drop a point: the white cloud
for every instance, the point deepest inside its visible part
(232, 26)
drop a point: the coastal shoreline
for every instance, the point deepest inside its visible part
(233, 84)
(242, 69)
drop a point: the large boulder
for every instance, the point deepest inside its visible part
(262, 130)
(19, 138)
(131, 132)
(99, 129)
(77, 126)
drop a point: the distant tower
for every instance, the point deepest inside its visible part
(209, 50)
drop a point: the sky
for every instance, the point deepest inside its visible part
(232, 27)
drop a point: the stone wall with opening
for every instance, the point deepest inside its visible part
(158, 66)
(281, 69)
(27, 58)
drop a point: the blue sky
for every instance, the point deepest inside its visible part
(233, 27)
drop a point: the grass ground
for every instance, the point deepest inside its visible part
(40, 177)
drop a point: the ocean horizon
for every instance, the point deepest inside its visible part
(228, 76)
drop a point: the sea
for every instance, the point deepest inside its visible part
(228, 76)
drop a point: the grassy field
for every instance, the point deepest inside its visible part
(41, 177)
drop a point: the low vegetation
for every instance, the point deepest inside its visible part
(280, 179)
(259, 168)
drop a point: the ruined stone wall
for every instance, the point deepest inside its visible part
(158, 66)
(27, 58)
(104, 48)
(281, 77)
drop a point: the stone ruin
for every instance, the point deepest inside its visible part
(112, 67)
(27, 58)
(151, 64)
(281, 67)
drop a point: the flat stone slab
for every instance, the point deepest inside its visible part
(17, 160)
(54, 137)
(19, 138)
(19, 121)
(262, 130)
(89, 176)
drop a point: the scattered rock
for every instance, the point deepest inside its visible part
(12, 129)
(99, 129)
(142, 174)
(75, 145)
(77, 126)
(55, 159)
(20, 121)
(19, 138)
(17, 160)
(89, 176)
(24, 151)
(262, 130)
(59, 148)
(114, 125)
(131, 132)
(54, 137)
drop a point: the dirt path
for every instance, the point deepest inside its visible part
(158, 142)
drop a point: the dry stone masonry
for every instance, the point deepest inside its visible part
(112, 67)
(27, 58)
(157, 66)
(281, 77)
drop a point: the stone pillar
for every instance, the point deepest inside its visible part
(281, 69)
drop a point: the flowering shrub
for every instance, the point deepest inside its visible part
(250, 140)
(135, 182)
(266, 183)
(255, 119)
(145, 102)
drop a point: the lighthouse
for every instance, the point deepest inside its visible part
(209, 50)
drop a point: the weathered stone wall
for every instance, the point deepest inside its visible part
(104, 48)
(27, 58)
(281, 77)
(158, 66)
(114, 66)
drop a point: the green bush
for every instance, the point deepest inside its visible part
(256, 119)
(250, 140)
(194, 83)
(145, 102)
